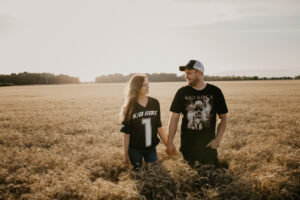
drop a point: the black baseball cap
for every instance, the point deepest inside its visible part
(193, 64)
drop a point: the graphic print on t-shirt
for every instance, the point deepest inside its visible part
(199, 111)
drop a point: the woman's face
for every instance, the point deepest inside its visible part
(145, 88)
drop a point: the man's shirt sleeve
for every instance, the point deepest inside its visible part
(221, 107)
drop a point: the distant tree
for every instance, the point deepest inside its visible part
(112, 78)
(163, 77)
(26, 78)
(155, 77)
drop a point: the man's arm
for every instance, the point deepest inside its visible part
(220, 132)
(173, 123)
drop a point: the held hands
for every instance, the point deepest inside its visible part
(171, 149)
(213, 144)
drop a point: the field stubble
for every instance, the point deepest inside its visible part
(63, 142)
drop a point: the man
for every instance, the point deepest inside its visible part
(200, 103)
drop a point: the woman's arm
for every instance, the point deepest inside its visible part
(162, 135)
(126, 147)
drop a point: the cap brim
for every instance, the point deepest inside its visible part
(182, 68)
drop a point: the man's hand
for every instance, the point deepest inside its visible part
(171, 149)
(213, 144)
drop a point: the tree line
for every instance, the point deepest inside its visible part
(172, 77)
(26, 78)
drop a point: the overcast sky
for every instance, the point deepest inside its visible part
(88, 38)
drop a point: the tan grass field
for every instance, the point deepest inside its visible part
(63, 142)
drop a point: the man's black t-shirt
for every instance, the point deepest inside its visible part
(199, 109)
(143, 125)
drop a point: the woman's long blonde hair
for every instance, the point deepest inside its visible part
(134, 86)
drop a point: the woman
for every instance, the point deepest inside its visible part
(141, 121)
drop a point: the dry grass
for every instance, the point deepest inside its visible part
(63, 142)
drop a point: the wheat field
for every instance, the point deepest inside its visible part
(63, 142)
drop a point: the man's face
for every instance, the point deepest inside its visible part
(192, 76)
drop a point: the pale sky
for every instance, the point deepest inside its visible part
(89, 38)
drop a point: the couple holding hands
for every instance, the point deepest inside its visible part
(198, 102)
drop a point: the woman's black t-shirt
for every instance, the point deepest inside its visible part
(143, 125)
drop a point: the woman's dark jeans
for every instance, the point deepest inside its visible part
(136, 156)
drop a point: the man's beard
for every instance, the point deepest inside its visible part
(193, 82)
